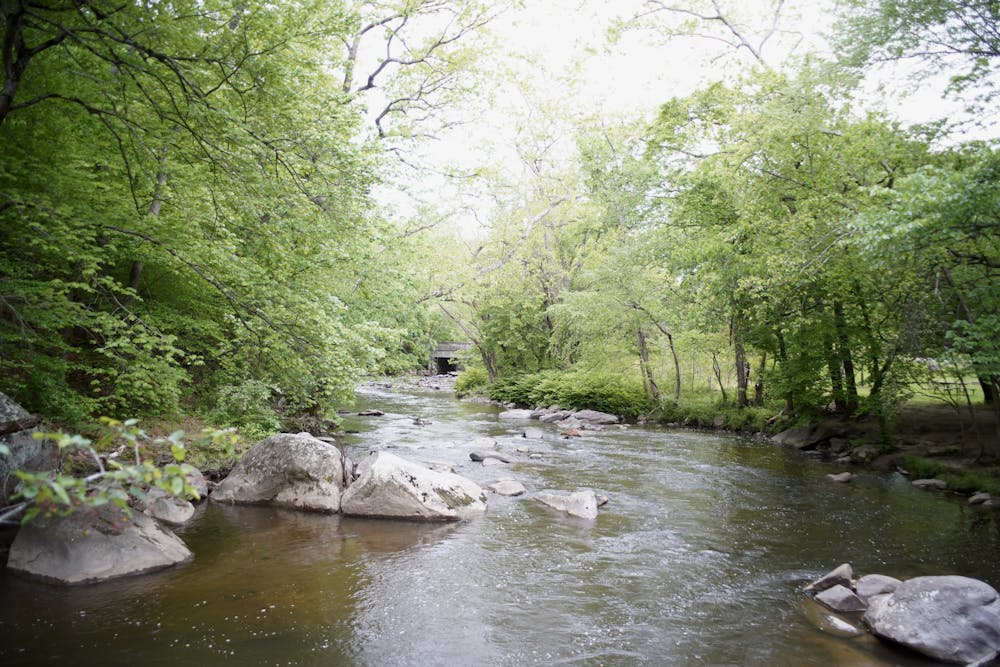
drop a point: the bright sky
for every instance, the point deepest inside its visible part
(566, 67)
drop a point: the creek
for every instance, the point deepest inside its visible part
(698, 559)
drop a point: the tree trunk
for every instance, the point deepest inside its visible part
(846, 359)
(758, 385)
(647, 370)
(988, 382)
(718, 376)
(742, 373)
(783, 356)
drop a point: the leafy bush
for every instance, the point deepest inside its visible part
(111, 479)
(247, 406)
(471, 380)
(579, 389)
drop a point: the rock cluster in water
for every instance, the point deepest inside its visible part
(949, 618)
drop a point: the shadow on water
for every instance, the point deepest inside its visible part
(697, 559)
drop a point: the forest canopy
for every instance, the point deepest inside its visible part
(191, 211)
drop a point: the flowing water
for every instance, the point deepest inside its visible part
(697, 559)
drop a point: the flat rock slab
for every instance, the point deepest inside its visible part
(595, 417)
(287, 470)
(515, 414)
(871, 585)
(841, 575)
(389, 487)
(485, 455)
(841, 477)
(930, 484)
(91, 546)
(167, 508)
(581, 503)
(507, 487)
(533, 434)
(949, 618)
(841, 599)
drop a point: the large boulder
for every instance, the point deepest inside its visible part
(949, 618)
(515, 414)
(165, 507)
(582, 503)
(89, 546)
(805, 437)
(13, 417)
(595, 417)
(288, 470)
(389, 487)
(27, 454)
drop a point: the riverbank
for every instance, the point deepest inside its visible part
(959, 445)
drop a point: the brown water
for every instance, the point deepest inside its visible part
(696, 560)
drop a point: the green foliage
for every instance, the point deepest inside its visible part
(961, 481)
(247, 406)
(111, 479)
(580, 389)
(470, 381)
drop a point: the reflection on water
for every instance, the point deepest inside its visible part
(697, 560)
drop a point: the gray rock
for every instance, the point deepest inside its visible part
(507, 487)
(287, 470)
(595, 417)
(89, 546)
(842, 477)
(841, 575)
(930, 484)
(493, 462)
(481, 443)
(515, 414)
(533, 434)
(582, 503)
(719, 422)
(440, 466)
(389, 487)
(197, 480)
(804, 437)
(551, 417)
(569, 423)
(488, 454)
(839, 445)
(949, 618)
(166, 508)
(864, 454)
(979, 498)
(871, 585)
(13, 417)
(828, 622)
(27, 454)
(841, 599)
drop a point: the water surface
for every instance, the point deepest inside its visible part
(697, 559)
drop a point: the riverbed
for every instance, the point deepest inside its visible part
(697, 559)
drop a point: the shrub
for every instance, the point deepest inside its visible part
(617, 394)
(248, 407)
(470, 381)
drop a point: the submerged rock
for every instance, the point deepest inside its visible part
(90, 546)
(390, 487)
(287, 470)
(930, 484)
(841, 477)
(949, 618)
(582, 503)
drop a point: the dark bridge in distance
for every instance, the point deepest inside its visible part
(443, 355)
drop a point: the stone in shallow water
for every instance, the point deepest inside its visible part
(949, 618)
(875, 584)
(581, 503)
(507, 487)
(842, 599)
(287, 470)
(842, 574)
(390, 487)
(90, 546)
